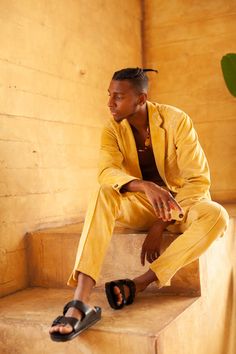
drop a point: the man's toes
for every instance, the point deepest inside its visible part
(61, 329)
(65, 329)
(118, 295)
(54, 329)
(116, 290)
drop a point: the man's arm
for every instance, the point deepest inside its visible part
(110, 161)
(110, 172)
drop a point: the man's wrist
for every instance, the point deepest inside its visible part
(136, 185)
(161, 224)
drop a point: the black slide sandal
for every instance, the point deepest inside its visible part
(111, 297)
(89, 318)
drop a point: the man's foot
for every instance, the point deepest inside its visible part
(65, 329)
(140, 286)
(122, 292)
(72, 323)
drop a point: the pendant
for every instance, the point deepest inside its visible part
(147, 142)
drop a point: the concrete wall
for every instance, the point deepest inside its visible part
(186, 40)
(56, 61)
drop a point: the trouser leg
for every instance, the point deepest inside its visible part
(206, 220)
(96, 234)
(106, 206)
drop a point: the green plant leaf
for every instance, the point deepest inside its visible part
(228, 65)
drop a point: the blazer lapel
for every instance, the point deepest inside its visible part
(157, 138)
(130, 149)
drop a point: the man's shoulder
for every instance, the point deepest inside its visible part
(171, 116)
(168, 110)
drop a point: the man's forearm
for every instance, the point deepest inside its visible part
(137, 185)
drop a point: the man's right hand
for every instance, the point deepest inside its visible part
(161, 200)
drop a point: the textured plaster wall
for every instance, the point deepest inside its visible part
(56, 61)
(186, 40)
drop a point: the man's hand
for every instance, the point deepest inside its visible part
(161, 200)
(152, 243)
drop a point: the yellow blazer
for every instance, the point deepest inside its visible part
(179, 157)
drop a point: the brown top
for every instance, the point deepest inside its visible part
(146, 158)
(148, 167)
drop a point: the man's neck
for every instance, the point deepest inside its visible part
(140, 120)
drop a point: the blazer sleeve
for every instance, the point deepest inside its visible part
(192, 164)
(110, 161)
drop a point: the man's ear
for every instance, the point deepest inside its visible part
(142, 98)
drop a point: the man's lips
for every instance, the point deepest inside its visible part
(114, 113)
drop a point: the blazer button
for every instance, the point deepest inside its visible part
(116, 185)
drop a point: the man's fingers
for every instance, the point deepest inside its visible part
(149, 257)
(163, 206)
(164, 210)
(156, 209)
(152, 256)
(143, 257)
(167, 210)
(174, 204)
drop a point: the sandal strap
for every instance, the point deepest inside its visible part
(132, 289)
(79, 305)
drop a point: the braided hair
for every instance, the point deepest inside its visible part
(136, 76)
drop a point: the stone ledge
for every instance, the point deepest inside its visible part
(135, 329)
(50, 266)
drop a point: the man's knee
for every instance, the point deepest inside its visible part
(214, 214)
(223, 219)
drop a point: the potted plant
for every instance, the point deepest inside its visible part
(228, 65)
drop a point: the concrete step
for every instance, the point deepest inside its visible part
(27, 315)
(154, 324)
(51, 255)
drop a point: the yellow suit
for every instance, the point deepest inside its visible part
(184, 169)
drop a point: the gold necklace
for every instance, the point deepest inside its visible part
(147, 142)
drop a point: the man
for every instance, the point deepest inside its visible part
(153, 175)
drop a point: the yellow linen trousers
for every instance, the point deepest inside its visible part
(203, 222)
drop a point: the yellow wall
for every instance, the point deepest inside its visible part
(56, 61)
(186, 40)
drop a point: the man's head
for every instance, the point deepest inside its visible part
(136, 76)
(128, 92)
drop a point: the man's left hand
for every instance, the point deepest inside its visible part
(152, 243)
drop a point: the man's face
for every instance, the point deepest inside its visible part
(124, 101)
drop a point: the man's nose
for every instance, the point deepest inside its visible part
(110, 102)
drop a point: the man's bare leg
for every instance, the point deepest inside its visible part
(153, 237)
(84, 289)
(82, 293)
